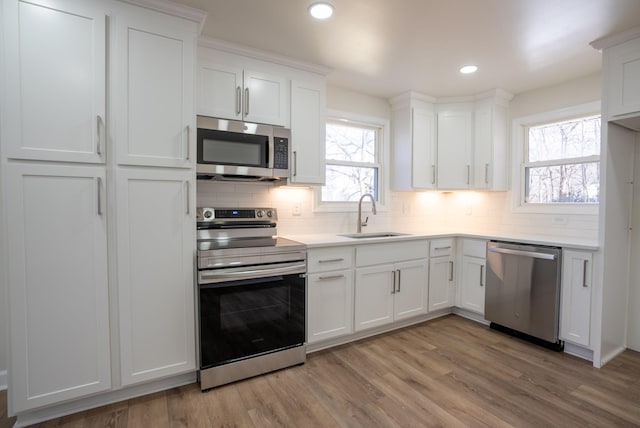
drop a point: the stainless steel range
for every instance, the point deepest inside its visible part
(251, 295)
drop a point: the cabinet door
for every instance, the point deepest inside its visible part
(440, 283)
(490, 146)
(575, 308)
(330, 305)
(472, 284)
(308, 128)
(423, 149)
(265, 98)
(411, 289)
(156, 250)
(154, 84)
(454, 146)
(374, 291)
(624, 86)
(57, 273)
(54, 65)
(219, 90)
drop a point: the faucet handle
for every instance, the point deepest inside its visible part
(364, 223)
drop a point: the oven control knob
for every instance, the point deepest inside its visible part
(207, 214)
(259, 213)
(269, 213)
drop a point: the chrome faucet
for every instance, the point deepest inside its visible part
(373, 210)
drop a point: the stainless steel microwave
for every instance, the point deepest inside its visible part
(233, 150)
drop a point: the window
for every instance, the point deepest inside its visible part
(559, 164)
(354, 159)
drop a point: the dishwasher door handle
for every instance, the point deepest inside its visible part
(531, 254)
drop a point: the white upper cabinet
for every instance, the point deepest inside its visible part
(414, 149)
(455, 139)
(229, 88)
(156, 248)
(624, 78)
(54, 65)
(491, 143)
(308, 129)
(154, 89)
(57, 276)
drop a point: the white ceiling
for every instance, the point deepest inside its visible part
(385, 47)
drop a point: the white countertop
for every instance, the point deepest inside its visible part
(334, 239)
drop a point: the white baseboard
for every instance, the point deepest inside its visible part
(44, 414)
(3, 380)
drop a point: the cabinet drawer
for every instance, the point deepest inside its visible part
(329, 259)
(441, 247)
(375, 254)
(474, 248)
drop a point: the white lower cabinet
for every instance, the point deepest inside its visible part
(57, 273)
(471, 290)
(471, 286)
(155, 250)
(575, 306)
(392, 291)
(441, 274)
(329, 293)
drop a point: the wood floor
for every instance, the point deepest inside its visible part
(447, 372)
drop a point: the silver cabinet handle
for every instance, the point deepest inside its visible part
(433, 174)
(450, 270)
(584, 273)
(295, 163)
(481, 275)
(328, 277)
(393, 286)
(399, 280)
(188, 201)
(238, 99)
(486, 173)
(331, 260)
(246, 102)
(188, 132)
(99, 125)
(99, 195)
(531, 254)
(468, 173)
(442, 248)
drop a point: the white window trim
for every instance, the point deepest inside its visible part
(383, 160)
(517, 176)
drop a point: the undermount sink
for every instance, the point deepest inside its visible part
(372, 235)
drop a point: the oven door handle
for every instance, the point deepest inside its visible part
(221, 275)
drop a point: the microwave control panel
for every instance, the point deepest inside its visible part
(281, 153)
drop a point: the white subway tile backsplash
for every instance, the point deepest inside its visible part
(467, 212)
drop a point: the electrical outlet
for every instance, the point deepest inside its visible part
(468, 210)
(296, 209)
(559, 220)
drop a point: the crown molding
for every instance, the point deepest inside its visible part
(190, 13)
(616, 39)
(222, 45)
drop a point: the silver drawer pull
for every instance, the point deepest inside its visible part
(328, 277)
(584, 273)
(442, 248)
(330, 260)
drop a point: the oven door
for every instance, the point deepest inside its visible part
(250, 311)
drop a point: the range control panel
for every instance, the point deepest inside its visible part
(204, 214)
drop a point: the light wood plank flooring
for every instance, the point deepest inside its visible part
(447, 372)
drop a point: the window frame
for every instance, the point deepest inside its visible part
(520, 146)
(383, 151)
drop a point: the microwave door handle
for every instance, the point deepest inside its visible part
(272, 152)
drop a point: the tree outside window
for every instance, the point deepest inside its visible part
(352, 161)
(562, 162)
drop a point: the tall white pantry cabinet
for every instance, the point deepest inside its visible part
(97, 161)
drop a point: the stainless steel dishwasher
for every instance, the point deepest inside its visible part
(523, 291)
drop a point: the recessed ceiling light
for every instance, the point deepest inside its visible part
(468, 69)
(321, 10)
